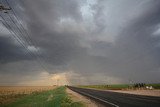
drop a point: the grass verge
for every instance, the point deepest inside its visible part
(155, 86)
(118, 86)
(107, 87)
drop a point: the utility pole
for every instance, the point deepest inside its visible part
(4, 8)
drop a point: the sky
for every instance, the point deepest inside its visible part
(79, 42)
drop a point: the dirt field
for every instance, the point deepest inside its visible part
(9, 94)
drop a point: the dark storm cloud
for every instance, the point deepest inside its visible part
(9, 51)
(99, 41)
(56, 47)
(134, 55)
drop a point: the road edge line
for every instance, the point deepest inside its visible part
(99, 99)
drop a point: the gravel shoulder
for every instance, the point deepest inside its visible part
(139, 92)
(79, 98)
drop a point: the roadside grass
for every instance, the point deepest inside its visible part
(52, 98)
(107, 87)
(155, 86)
(117, 86)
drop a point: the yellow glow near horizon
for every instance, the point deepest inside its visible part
(60, 78)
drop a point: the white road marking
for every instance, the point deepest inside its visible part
(99, 99)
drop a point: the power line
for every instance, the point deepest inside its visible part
(27, 37)
(17, 19)
(19, 41)
(12, 32)
(15, 34)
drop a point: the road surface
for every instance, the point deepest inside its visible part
(114, 99)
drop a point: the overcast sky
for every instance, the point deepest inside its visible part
(80, 42)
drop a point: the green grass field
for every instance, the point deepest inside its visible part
(53, 98)
(155, 86)
(117, 86)
(109, 87)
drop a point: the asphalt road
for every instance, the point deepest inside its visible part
(114, 99)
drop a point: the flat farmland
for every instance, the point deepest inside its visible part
(37, 97)
(9, 94)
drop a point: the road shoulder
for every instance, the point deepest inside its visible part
(79, 98)
(155, 93)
